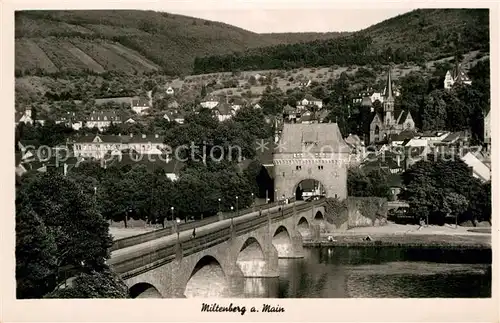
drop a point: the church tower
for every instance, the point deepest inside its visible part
(389, 101)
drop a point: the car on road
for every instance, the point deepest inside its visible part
(314, 198)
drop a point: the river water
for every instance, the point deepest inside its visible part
(378, 272)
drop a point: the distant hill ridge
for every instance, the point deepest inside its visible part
(132, 41)
(129, 41)
(418, 36)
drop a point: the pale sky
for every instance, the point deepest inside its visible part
(295, 20)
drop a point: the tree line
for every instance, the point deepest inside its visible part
(62, 221)
(350, 50)
(441, 187)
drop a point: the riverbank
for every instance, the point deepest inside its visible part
(414, 241)
(396, 235)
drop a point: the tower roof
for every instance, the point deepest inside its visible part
(389, 95)
(324, 137)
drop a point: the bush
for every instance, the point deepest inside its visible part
(336, 212)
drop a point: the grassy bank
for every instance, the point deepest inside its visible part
(407, 240)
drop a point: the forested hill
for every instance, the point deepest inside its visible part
(128, 41)
(417, 36)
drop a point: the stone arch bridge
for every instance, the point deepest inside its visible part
(215, 261)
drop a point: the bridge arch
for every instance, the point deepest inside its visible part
(251, 259)
(282, 241)
(207, 279)
(303, 227)
(319, 219)
(144, 290)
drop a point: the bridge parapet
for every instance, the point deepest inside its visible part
(153, 235)
(174, 248)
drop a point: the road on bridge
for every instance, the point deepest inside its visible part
(186, 235)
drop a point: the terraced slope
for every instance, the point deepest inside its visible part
(128, 41)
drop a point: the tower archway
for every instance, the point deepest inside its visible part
(308, 188)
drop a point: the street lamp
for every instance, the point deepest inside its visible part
(219, 203)
(253, 207)
(232, 216)
(172, 209)
(237, 214)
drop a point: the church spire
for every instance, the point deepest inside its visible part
(388, 87)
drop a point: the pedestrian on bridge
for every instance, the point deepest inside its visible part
(194, 233)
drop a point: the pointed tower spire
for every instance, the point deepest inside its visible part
(389, 100)
(388, 87)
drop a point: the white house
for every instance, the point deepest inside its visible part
(305, 83)
(103, 119)
(26, 117)
(170, 91)
(223, 111)
(479, 169)
(309, 100)
(209, 102)
(377, 96)
(174, 116)
(97, 146)
(457, 75)
(140, 106)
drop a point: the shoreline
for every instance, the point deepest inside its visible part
(426, 241)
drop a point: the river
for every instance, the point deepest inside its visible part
(378, 273)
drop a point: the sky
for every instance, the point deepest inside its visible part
(296, 20)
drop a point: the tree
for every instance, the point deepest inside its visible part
(427, 190)
(272, 101)
(434, 114)
(35, 254)
(375, 183)
(358, 184)
(379, 180)
(104, 284)
(71, 217)
(455, 204)
(253, 122)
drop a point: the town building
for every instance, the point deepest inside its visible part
(103, 119)
(223, 111)
(479, 169)
(456, 76)
(311, 151)
(308, 101)
(210, 102)
(141, 105)
(390, 121)
(97, 146)
(174, 116)
(26, 117)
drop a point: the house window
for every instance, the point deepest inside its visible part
(320, 167)
(298, 167)
(283, 174)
